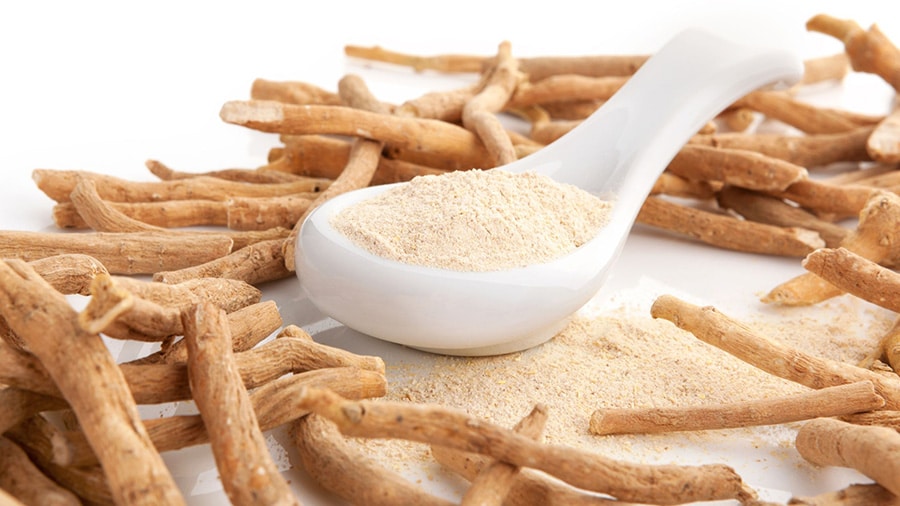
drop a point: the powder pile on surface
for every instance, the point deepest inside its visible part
(624, 358)
(475, 220)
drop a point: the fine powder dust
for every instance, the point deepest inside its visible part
(625, 358)
(475, 220)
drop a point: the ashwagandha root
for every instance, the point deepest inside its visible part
(495, 480)
(100, 216)
(810, 151)
(96, 390)
(274, 403)
(873, 451)
(69, 274)
(252, 176)
(58, 185)
(831, 401)
(854, 495)
(361, 164)
(742, 168)
(444, 140)
(479, 113)
(808, 118)
(727, 231)
(157, 383)
(17, 405)
(247, 471)
(324, 156)
(44, 439)
(441, 426)
(732, 336)
(292, 92)
(868, 50)
(882, 145)
(257, 263)
(119, 312)
(339, 468)
(20, 478)
(856, 275)
(875, 238)
(119, 253)
(530, 488)
(762, 208)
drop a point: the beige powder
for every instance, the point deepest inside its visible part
(621, 357)
(475, 220)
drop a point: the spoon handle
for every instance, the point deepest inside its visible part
(621, 149)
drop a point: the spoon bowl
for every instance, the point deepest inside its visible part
(617, 154)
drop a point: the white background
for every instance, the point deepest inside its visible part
(103, 86)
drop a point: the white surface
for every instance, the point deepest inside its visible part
(104, 86)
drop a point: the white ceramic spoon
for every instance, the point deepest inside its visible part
(617, 153)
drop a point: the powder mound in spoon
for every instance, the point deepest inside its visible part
(475, 220)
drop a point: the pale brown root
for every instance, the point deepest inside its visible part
(873, 451)
(70, 273)
(292, 92)
(118, 309)
(856, 275)
(246, 469)
(43, 439)
(442, 63)
(58, 185)
(737, 119)
(832, 401)
(854, 495)
(439, 138)
(21, 479)
(875, 238)
(96, 390)
(742, 168)
(274, 403)
(829, 201)
(257, 263)
(531, 488)
(825, 68)
(326, 157)
(726, 231)
(156, 383)
(436, 425)
(536, 68)
(571, 87)
(869, 50)
(361, 164)
(884, 143)
(810, 151)
(677, 186)
(253, 176)
(763, 208)
(803, 116)
(349, 474)
(479, 113)
(890, 419)
(249, 326)
(17, 405)
(100, 216)
(120, 253)
(267, 213)
(494, 482)
(736, 338)
(166, 214)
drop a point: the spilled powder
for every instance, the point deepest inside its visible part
(475, 220)
(620, 357)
